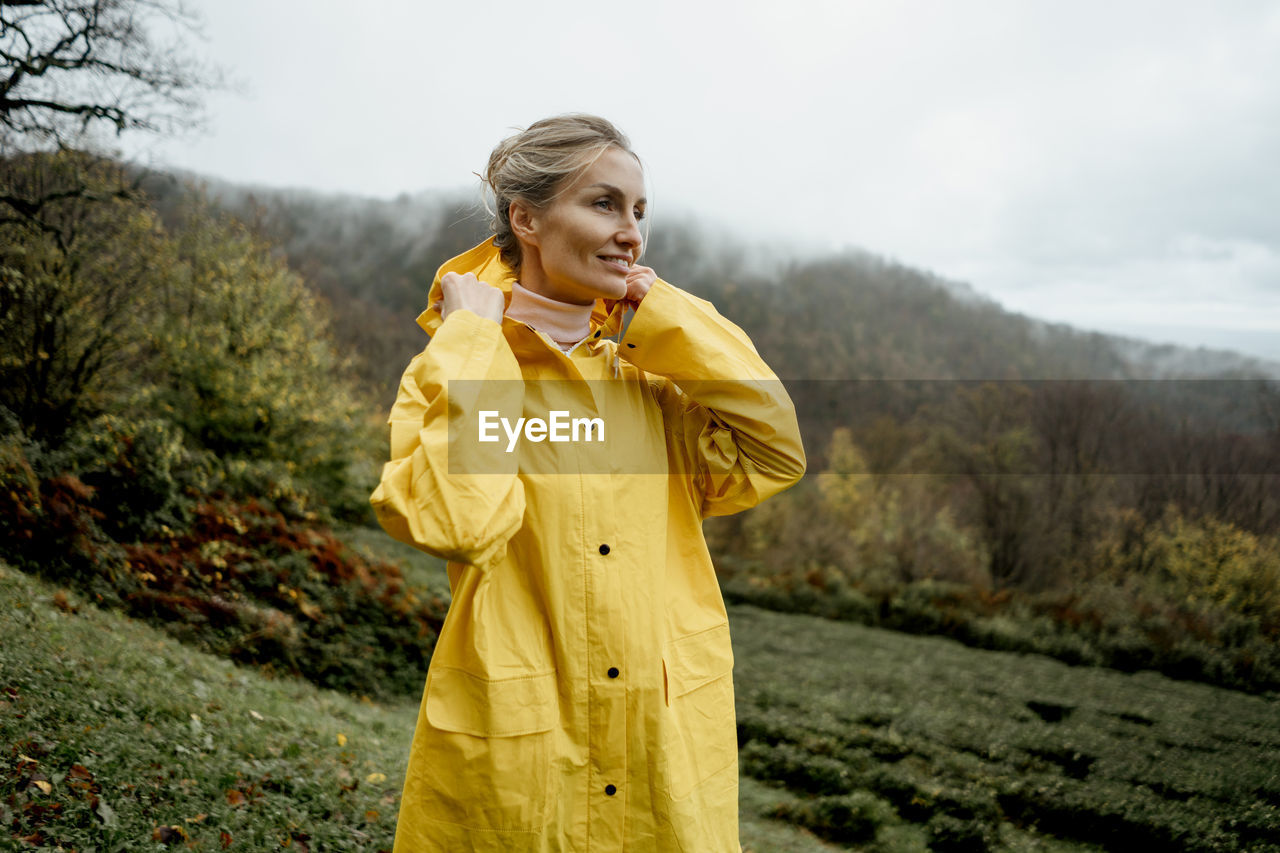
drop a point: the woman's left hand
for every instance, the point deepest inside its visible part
(639, 280)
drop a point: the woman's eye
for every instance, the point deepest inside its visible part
(639, 215)
(604, 204)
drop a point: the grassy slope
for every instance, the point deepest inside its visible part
(168, 736)
(261, 758)
(173, 737)
(1092, 755)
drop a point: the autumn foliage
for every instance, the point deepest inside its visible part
(240, 579)
(246, 582)
(177, 430)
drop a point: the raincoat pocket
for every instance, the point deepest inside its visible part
(458, 701)
(702, 737)
(487, 749)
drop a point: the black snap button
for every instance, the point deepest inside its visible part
(613, 672)
(604, 549)
(610, 790)
(596, 335)
(633, 346)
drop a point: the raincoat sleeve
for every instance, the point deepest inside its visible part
(736, 421)
(463, 515)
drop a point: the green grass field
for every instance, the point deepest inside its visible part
(117, 737)
(896, 741)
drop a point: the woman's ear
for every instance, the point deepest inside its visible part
(524, 221)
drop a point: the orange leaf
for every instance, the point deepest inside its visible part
(235, 798)
(224, 838)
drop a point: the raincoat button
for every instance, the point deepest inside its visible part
(610, 790)
(604, 549)
(613, 672)
(633, 346)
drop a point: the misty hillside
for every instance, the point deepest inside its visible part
(843, 316)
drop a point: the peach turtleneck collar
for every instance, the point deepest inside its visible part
(565, 323)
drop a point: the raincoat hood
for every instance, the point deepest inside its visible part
(485, 261)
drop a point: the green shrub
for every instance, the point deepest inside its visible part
(1215, 561)
(140, 473)
(950, 834)
(892, 784)
(765, 725)
(52, 526)
(851, 819)
(1132, 625)
(797, 768)
(245, 366)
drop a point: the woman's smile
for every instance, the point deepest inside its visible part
(618, 262)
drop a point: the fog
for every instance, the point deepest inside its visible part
(1107, 165)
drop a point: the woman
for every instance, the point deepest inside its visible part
(580, 696)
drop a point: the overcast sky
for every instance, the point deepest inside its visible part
(1114, 165)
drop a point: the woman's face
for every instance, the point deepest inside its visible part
(581, 246)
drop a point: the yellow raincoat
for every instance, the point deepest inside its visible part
(580, 696)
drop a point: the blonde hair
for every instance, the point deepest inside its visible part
(536, 164)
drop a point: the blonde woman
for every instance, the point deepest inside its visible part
(580, 695)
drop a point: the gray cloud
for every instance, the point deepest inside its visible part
(1092, 162)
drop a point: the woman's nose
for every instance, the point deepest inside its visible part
(630, 234)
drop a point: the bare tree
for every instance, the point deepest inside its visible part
(985, 441)
(1078, 424)
(68, 65)
(78, 256)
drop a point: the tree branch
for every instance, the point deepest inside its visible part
(67, 64)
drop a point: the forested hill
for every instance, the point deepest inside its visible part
(846, 316)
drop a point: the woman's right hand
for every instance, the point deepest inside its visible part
(470, 293)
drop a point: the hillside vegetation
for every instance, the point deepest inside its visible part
(118, 737)
(974, 472)
(192, 399)
(846, 316)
